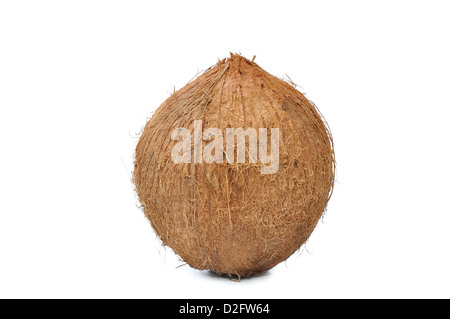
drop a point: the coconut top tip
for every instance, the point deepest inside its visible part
(237, 58)
(237, 62)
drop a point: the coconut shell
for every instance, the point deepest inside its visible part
(229, 217)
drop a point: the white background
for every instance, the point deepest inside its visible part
(78, 80)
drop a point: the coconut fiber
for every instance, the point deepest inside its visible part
(229, 217)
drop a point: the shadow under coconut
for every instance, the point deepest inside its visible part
(212, 274)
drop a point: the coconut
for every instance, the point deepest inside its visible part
(235, 214)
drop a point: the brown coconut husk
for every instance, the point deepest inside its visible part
(230, 218)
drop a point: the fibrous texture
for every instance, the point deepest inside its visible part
(227, 216)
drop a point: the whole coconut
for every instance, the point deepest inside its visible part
(229, 216)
